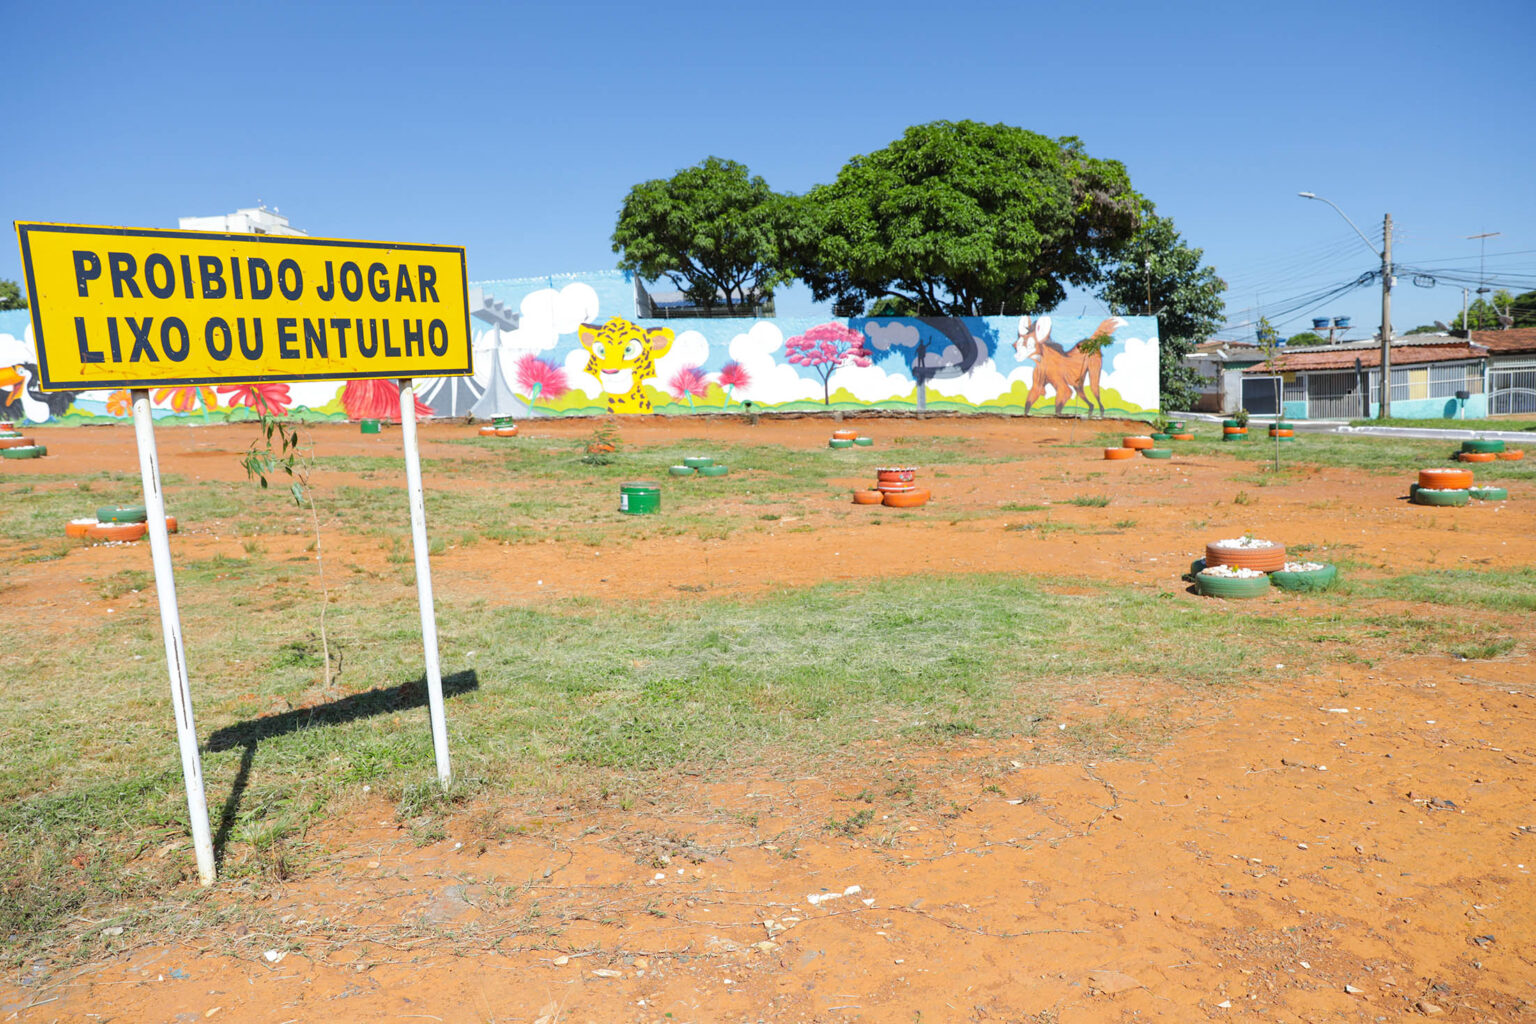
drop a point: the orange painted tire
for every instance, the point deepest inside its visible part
(15, 442)
(909, 499)
(171, 525)
(892, 487)
(1234, 430)
(1512, 454)
(1476, 456)
(896, 474)
(845, 435)
(487, 431)
(1138, 443)
(1267, 559)
(1282, 432)
(506, 431)
(868, 497)
(1181, 437)
(116, 531)
(1119, 453)
(77, 527)
(1445, 479)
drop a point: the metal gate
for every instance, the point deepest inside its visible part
(1259, 395)
(1512, 389)
(1334, 396)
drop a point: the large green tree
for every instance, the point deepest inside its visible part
(10, 295)
(1160, 274)
(962, 218)
(713, 230)
(1483, 315)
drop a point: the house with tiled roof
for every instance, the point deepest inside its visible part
(1511, 369)
(1432, 377)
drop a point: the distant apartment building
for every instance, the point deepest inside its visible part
(258, 220)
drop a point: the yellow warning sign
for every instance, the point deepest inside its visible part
(138, 307)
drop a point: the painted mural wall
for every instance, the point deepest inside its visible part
(569, 345)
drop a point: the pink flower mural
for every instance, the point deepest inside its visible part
(688, 383)
(825, 348)
(540, 377)
(376, 400)
(269, 398)
(733, 378)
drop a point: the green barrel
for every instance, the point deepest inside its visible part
(370, 426)
(640, 498)
(697, 461)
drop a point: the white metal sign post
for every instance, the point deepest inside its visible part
(424, 579)
(170, 627)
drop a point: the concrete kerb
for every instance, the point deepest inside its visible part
(1343, 427)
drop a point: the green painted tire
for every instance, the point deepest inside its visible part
(864, 442)
(1482, 445)
(1232, 423)
(1314, 579)
(1175, 426)
(1157, 453)
(1197, 567)
(839, 442)
(35, 451)
(1234, 437)
(122, 514)
(1161, 437)
(714, 470)
(1222, 586)
(681, 470)
(1425, 496)
(1488, 493)
(1282, 425)
(697, 461)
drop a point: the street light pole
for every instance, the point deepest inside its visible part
(1384, 410)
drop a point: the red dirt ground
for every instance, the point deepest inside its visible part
(1352, 846)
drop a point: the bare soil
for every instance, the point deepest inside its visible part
(1356, 845)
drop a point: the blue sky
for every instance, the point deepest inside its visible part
(516, 129)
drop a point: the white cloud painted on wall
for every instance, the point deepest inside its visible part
(772, 381)
(689, 348)
(1134, 372)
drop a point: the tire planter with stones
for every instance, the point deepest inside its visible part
(870, 497)
(1488, 493)
(487, 431)
(698, 461)
(1119, 453)
(1137, 443)
(117, 531)
(506, 431)
(1157, 453)
(896, 474)
(15, 441)
(1476, 456)
(906, 499)
(1443, 498)
(1229, 587)
(1263, 559)
(864, 442)
(77, 527)
(1482, 444)
(1445, 479)
(121, 514)
(714, 470)
(31, 451)
(1161, 437)
(846, 435)
(839, 442)
(1307, 579)
(1512, 454)
(681, 470)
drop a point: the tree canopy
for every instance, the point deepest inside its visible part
(962, 218)
(713, 230)
(1306, 338)
(1483, 315)
(1159, 273)
(10, 295)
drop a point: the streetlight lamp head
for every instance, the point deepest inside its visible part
(1307, 195)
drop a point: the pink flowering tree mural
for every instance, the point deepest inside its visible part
(733, 378)
(541, 377)
(824, 349)
(688, 383)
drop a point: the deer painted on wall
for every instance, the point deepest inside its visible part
(1068, 372)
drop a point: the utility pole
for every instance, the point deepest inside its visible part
(1386, 319)
(1464, 313)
